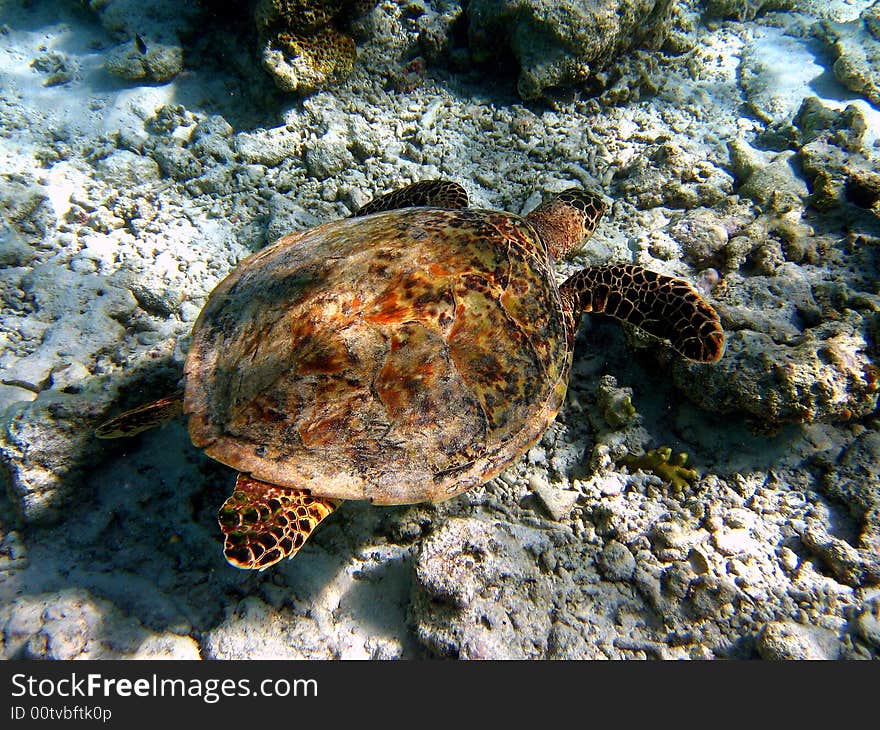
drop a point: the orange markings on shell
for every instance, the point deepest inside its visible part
(390, 357)
(389, 310)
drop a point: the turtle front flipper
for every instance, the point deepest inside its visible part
(142, 418)
(663, 306)
(427, 193)
(264, 523)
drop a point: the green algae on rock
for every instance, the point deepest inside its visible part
(851, 478)
(837, 163)
(781, 375)
(560, 43)
(615, 403)
(745, 9)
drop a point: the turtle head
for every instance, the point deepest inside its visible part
(566, 221)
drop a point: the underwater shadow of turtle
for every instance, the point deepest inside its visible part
(121, 530)
(138, 539)
(46, 442)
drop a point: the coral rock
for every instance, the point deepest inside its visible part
(303, 50)
(560, 43)
(856, 46)
(853, 479)
(745, 9)
(786, 640)
(454, 612)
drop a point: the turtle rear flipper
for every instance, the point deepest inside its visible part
(663, 306)
(142, 418)
(264, 523)
(427, 193)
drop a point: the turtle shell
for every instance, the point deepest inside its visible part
(400, 357)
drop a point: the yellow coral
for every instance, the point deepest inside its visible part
(303, 50)
(314, 61)
(660, 461)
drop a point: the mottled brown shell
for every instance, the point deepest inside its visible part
(401, 357)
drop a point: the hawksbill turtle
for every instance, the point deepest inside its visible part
(405, 354)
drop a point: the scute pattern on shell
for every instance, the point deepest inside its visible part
(401, 357)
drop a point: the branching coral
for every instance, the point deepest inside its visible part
(669, 468)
